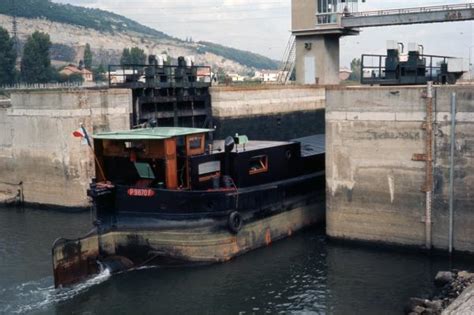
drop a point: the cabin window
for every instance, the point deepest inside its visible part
(144, 170)
(258, 164)
(209, 170)
(195, 145)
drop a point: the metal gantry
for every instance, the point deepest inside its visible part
(343, 15)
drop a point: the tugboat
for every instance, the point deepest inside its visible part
(166, 196)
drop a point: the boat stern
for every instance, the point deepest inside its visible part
(75, 260)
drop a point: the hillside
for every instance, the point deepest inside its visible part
(64, 13)
(70, 27)
(242, 57)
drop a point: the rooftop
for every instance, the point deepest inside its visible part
(312, 145)
(158, 133)
(252, 145)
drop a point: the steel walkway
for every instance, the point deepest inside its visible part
(429, 14)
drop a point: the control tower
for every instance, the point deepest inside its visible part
(317, 29)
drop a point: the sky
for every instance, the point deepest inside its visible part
(263, 26)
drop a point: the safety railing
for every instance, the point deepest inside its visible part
(156, 75)
(413, 10)
(329, 18)
(373, 67)
(33, 86)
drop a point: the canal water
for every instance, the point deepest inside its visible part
(304, 274)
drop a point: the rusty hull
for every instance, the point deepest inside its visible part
(75, 261)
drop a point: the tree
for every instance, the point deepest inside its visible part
(125, 59)
(134, 56)
(88, 57)
(221, 75)
(36, 61)
(355, 68)
(72, 78)
(7, 58)
(137, 56)
(76, 77)
(99, 73)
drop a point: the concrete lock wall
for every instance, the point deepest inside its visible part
(268, 112)
(6, 190)
(37, 146)
(374, 186)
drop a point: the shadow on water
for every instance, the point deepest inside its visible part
(303, 274)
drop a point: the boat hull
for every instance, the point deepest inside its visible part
(127, 248)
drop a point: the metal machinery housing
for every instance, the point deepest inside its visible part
(413, 68)
(166, 95)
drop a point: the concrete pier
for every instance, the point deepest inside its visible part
(268, 112)
(37, 147)
(374, 186)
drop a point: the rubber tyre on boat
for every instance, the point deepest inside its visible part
(235, 222)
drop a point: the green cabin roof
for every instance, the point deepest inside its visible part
(158, 133)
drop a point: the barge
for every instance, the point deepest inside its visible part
(169, 197)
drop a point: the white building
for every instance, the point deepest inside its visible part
(235, 77)
(267, 75)
(270, 75)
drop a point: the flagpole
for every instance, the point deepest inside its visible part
(86, 135)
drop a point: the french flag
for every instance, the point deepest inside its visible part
(82, 133)
(78, 133)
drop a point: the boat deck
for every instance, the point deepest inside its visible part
(312, 145)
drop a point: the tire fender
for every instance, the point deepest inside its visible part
(235, 222)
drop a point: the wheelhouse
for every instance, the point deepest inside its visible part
(153, 157)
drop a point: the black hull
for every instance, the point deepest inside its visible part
(117, 206)
(138, 234)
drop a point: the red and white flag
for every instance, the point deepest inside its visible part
(82, 133)
(79, 133)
